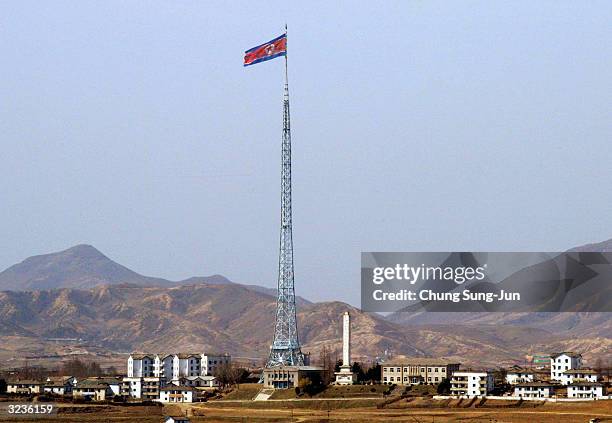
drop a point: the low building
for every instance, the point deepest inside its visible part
(93, 390)
(585, 390)
(25, 387)
(516, 375)
(200, 381)
(284, 377)
(578, 375)
(471, 383)
(58, 388)
(176, 394)
(176, 419)
(562, 362)
(430, 371)
(534, 390)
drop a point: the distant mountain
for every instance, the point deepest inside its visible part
(83, 266)
(599, 247)
(580, 325)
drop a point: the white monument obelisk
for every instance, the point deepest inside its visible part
(345, 376)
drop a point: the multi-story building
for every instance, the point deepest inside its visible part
(471, 383)
(578, 375)
(284, 377)
(210, 363)
(132, 387)
(562, 362)
(189, 365)
(151, 387)
(585, 390)
(534, 390)
(418, 371)
(165, 366)
(141, 365)
(516, 375)
(171, 367)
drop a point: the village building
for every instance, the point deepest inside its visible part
(534, 390)
(430, 371)
(93, 390)
(284, 377)
(516, 375)
(25, 386)
(471, 383)
(578, 375)
(585, 390)
(172, 367)
(562, 362)
(176, 394)
(60, 385)
(200, 381)
(176, 419)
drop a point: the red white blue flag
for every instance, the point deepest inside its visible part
(266, 51)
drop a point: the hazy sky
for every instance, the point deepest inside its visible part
(417, 126)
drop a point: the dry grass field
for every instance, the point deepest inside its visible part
(338, 410)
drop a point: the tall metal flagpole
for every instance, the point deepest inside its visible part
(285, 348)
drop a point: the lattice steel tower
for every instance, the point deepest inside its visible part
(285, 348)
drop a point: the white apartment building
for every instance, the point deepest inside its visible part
(578, 375)
(165, 366)
(210, 362)
(534, 390)
(516, 375)
(471, 383)
(585, 390)
(141, 365)
(562, 362)
(176, 394)
(132, 387)
(172, 367)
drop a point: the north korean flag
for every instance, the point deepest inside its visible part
(266, 51)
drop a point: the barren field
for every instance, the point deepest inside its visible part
(324, 410)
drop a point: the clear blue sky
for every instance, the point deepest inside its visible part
(417, 126)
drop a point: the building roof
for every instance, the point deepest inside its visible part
(141, 356)
(568, 353)
(305, 368)
(176, 388)
(199, 377)
(24, 382)
(187, 355)
(580, 371)
(91, 384)
(536, 384)
(425, 361)
(585, 384)
(521, 371)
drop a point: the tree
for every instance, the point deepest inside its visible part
(373, 373)
(228, 374)
(327, 363)
(444, 387)
(358, 370)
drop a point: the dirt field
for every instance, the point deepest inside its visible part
(324, 410)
